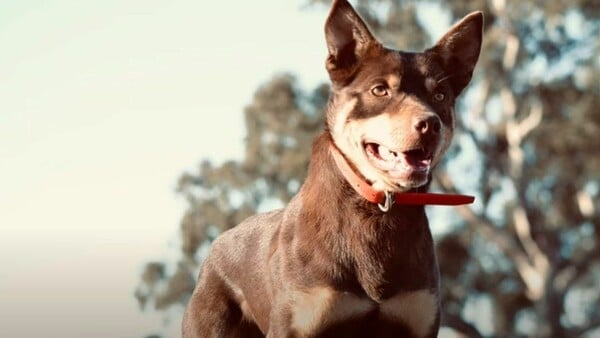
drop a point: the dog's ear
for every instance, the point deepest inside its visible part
(347, 36)
(459, 49)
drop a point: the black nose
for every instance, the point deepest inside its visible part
(428, 124)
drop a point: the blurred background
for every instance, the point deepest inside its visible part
(133, 132)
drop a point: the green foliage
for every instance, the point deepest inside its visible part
(524, 261)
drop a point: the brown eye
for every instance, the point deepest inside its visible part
(379, 90)
(439, 97)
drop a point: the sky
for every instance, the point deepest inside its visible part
(103, 104)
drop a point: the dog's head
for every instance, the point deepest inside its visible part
(391, 113)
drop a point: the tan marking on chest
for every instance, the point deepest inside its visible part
(418, 310)
(317, 308)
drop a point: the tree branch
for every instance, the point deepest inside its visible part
(539, 259)
(528, 273)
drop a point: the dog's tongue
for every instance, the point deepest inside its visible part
(417, 159)
(412, 160)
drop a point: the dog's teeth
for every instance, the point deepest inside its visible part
(386, 154)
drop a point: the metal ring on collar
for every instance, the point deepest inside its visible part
(387, 204)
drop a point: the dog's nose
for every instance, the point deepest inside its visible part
(428, 124)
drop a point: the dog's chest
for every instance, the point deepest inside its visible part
(323, 309)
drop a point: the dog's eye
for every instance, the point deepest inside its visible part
(379, 90)
(439, 97)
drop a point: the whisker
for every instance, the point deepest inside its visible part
(444, 78)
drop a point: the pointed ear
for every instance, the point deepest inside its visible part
(348, 37)
(459, 49)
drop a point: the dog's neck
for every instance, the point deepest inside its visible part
(345, 222)
(327, 184)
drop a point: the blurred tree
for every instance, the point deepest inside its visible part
(525, 260)
(281, 123)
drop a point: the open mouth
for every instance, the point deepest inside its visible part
(399, 164)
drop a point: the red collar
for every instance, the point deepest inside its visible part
(385, 199)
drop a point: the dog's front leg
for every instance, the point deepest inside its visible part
(212, 313)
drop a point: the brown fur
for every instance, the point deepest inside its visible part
(331, 264)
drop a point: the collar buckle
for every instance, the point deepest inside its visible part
(389, 201)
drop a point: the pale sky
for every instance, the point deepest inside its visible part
(103, 104)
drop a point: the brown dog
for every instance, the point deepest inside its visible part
(333, 263)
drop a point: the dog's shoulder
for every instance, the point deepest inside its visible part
(263, 222)
(248, 241)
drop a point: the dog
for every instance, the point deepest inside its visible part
(341, 260)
